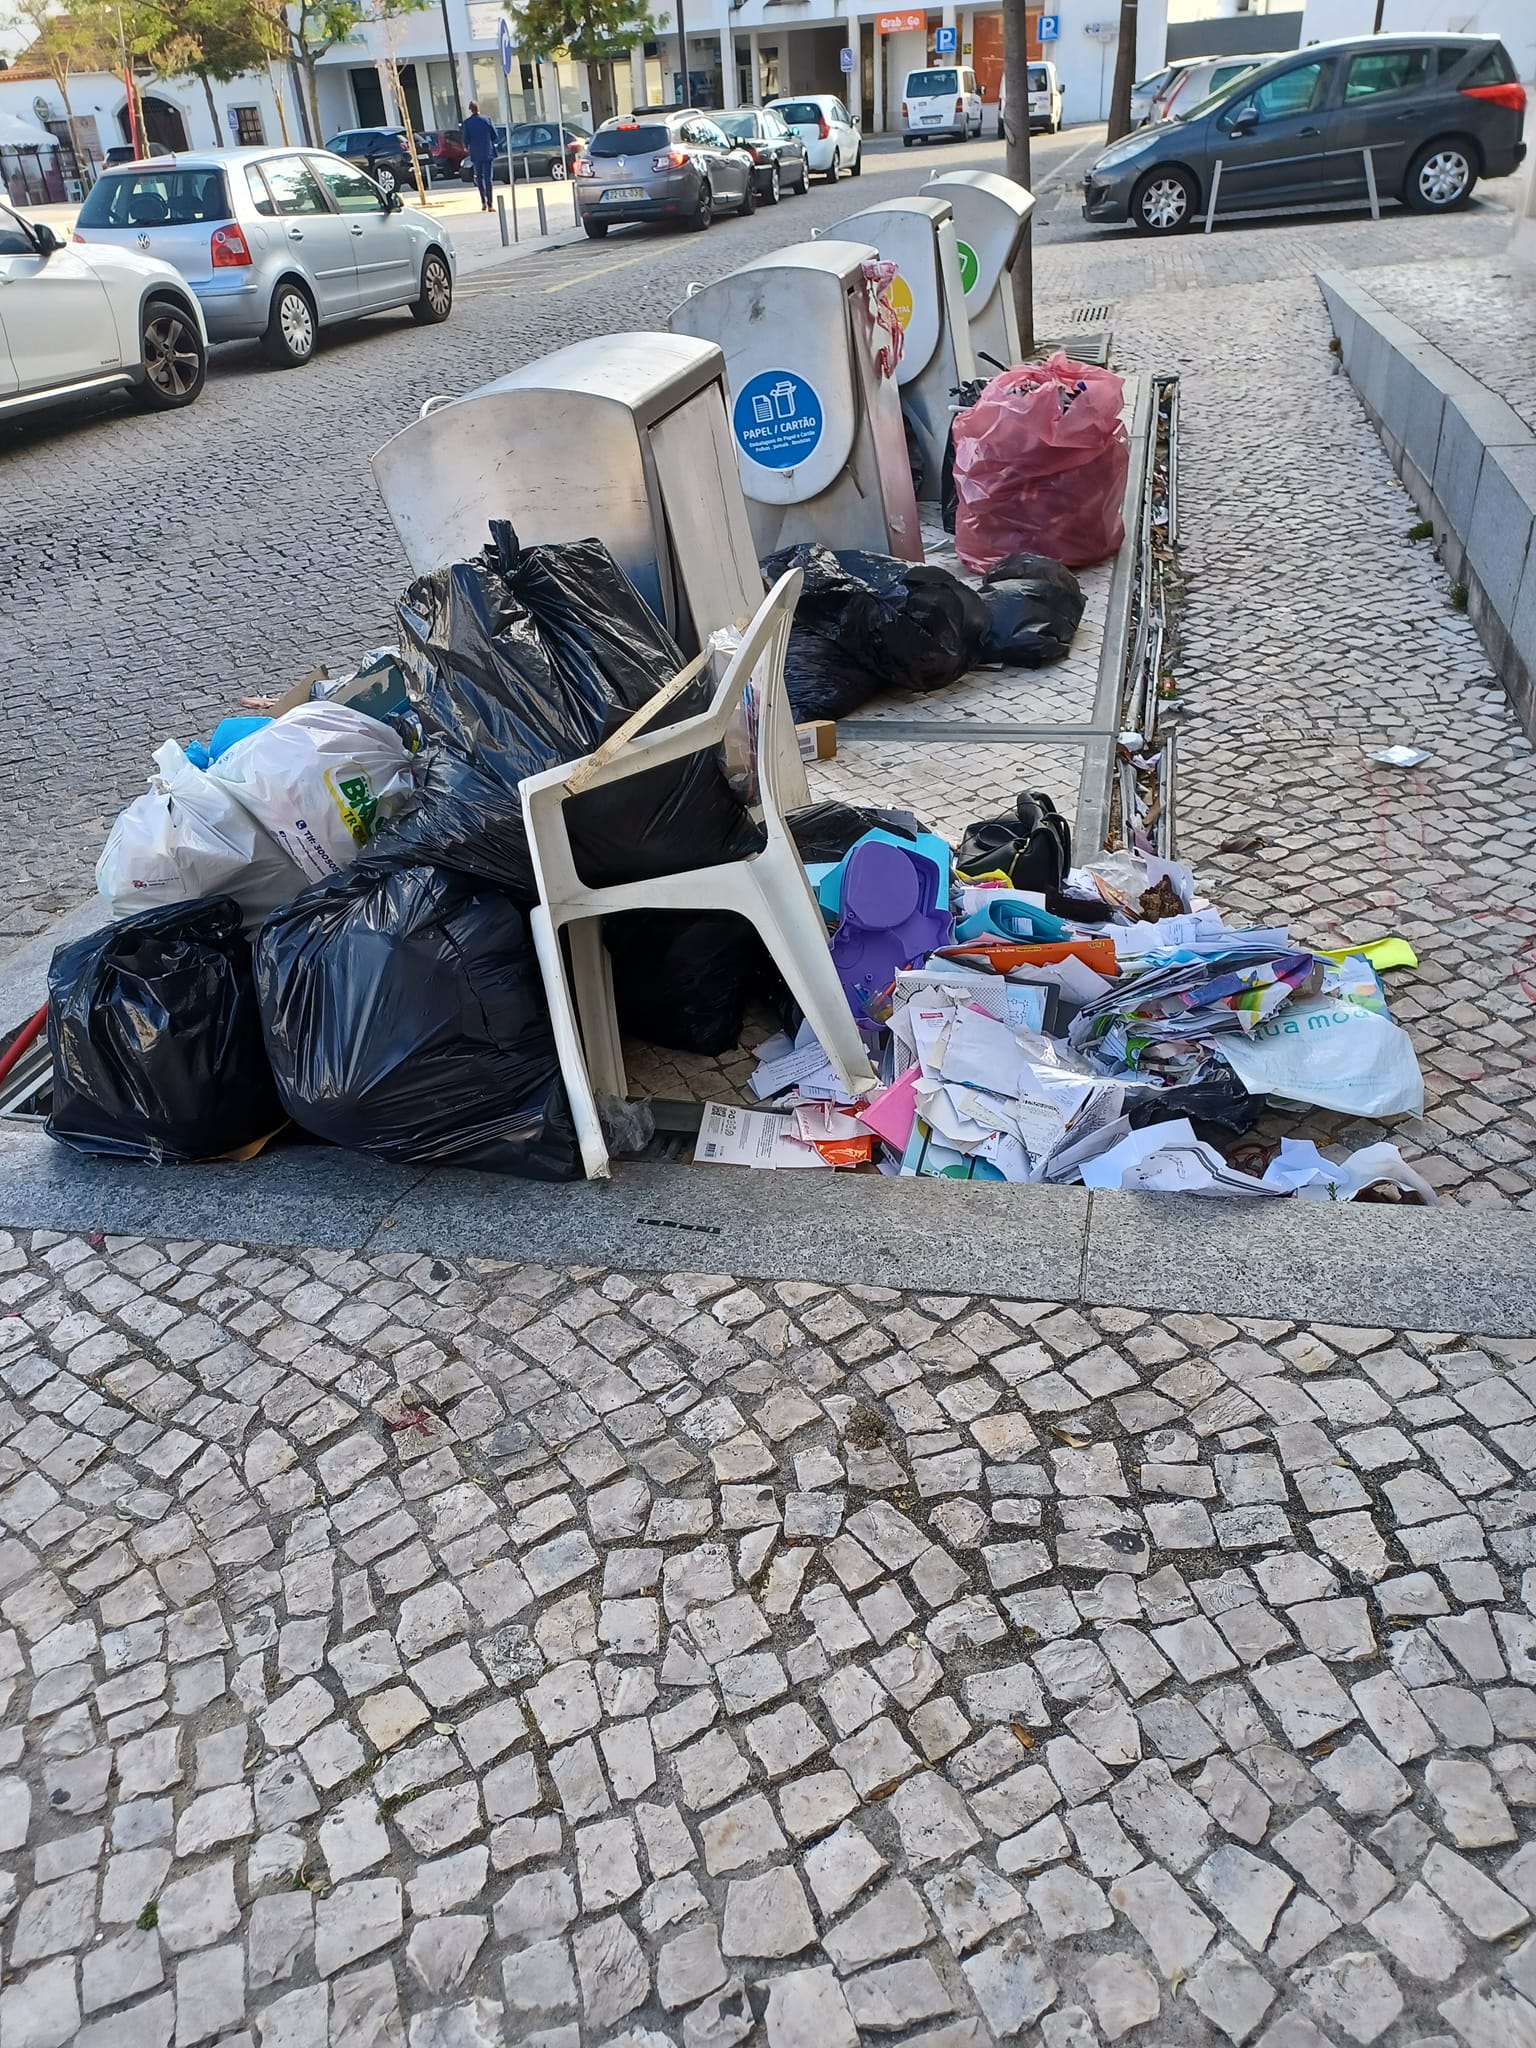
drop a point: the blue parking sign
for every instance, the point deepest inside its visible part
(944, 42)
(1049, 30)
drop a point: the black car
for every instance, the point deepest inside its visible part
(1435, 113)
(775, 148)
(535, 151)
(384, 154)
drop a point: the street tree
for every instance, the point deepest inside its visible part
(209, 40)
(1016, 158)
(63, 44)
(597, 33)
(1125, 73)
(308, 28)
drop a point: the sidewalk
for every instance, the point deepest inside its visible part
(1481, 312)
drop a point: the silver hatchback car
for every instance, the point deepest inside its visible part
(276, 243)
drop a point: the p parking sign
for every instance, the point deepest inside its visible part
(944, 40)
(1049, 30)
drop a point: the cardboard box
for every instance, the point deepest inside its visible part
(818, 739)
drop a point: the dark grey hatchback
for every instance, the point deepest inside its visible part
(1429, 115)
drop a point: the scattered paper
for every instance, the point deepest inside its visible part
(1305, 1172)
(1401, 757)
(731, 1136)
(1169, 1159)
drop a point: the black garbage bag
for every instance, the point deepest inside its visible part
(883, 623)
(1031, 845)
(1034, 606)
(404, 1014)
(826, 831)
(527, 657)
(682, 978)
(1216, 1096)
(156, 1038)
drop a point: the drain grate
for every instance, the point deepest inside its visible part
(1090, 316)
(675, 1223)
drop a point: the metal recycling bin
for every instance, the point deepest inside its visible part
(991, 216)
(918, 236)
(623, 436)
(814, 417)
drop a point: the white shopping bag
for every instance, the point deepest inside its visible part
(318, 779)
(1334, 1053)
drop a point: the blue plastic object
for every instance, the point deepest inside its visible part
(891, 918)
(1008, 918)
(225, 734)
(829, 890)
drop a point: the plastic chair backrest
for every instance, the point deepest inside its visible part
(760, 658)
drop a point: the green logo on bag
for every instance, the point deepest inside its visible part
(357, 804)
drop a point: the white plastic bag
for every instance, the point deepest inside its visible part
(1319, 1049)
(317, 778)
(185, 837)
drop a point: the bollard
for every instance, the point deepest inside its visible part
(1210, 210)
(527, 174)
(1370, 184)
(543, 217)
(501, 215)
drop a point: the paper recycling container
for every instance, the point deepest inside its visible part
(622, 437)
(918, 236)
(814, 419)
(991, 215)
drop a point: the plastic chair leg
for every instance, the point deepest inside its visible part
(573, 1065)
(592, 972)
(800, 953)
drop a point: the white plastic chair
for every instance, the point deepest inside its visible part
(769, 889)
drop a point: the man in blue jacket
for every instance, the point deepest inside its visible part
(479, 139)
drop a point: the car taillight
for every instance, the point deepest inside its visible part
(959, 106)
(228, 249)
(1511, 96)
(584, 167)
(821, 127)
(669, 160)
(77, 236)
(904, 110)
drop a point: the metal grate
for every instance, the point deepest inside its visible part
(1090, 316)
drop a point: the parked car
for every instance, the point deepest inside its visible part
(1437, 112)
(669, 167)
(774, 148)
(535, 151)
(1195, 82)
(383, 154)
(829, 132)
(275, 243)
(942, 100)
(1046, 94)
(1146, 91)
(75, 323)
(445, 152)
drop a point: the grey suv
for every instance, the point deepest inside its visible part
(1436, 113)
(675, 165)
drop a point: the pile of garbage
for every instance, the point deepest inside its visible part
(1035, 1021)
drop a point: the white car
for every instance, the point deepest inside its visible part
(942, 100)
(1045, 99)
(79, 322)
(829, 132)
(1197, 81)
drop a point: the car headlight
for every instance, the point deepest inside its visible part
(1120, 153)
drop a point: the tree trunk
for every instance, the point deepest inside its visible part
(61, 80)
(1125, 73)
(1016, 139)
(310, 70)
(213, 109)
(604, 99)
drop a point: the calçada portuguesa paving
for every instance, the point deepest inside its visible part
(401, 1650)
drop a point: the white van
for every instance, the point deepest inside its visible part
(941, 101)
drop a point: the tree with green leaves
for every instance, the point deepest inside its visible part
(597, 33)
(204, 39)
(63, 44)
(309, 28)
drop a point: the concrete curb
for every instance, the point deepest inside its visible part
(1452, 1270)
(1469, 463)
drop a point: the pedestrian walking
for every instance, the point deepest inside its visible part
(479, 139)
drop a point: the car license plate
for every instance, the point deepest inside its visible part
(932, 120)
(623, 192)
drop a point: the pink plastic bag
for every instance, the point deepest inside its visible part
(1041, 461)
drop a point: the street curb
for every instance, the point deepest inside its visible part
(1445, 1270)
(1467, 460)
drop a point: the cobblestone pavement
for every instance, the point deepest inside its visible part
(396, 1651)
(1481, 312)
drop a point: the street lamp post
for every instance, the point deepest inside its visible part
(453, 67)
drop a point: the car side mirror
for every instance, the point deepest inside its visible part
(47, 241)
(393, 203)
(1244, 121)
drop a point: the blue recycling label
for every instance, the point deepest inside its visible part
(777, 419)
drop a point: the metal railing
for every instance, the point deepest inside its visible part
(1370, 186)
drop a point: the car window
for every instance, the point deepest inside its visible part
(925, 85)
(1038, 79)
(545, 136)
(151, 199)
(741, 126)
(261, 198)
(841, 113)
(1385, 71)
(632, 141)
(342, 144)
(1225, 73)
(804, 111)
(14, 239)
(1495, 69)
(1289, 92)
(295, 189)
(352, 192)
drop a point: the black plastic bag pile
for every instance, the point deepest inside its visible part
(870, 622)
(1034, 606)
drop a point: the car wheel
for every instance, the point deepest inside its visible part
(830, 173)
(556, 168)
(385, 179)
(1440, 177)
(907, 141)
(703, 214)
(804, 185)
(435, 302)
(596, 228)
(175, 360)
(858, 163)
(290, 336)
(775, 190)
(749, 196)
(1163, 203)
